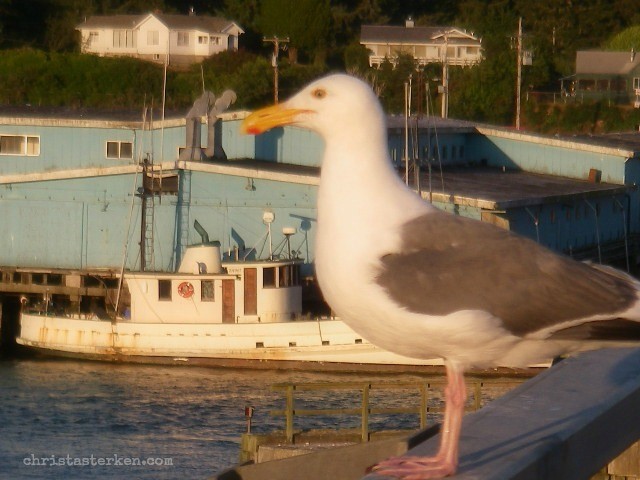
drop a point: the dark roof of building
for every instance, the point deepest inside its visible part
(398, 121)
(601, 62)
(204, 23)
(111, 21)
(397, 34)
(626, 140)
(67, 113)
(497, 189)
(173, 22)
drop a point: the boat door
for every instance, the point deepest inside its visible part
(250, 291)
(228, 301)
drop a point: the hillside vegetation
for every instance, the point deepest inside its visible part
(40, 63)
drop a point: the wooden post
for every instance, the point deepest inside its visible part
(519, 74)
(365, 412)
(477, 395)
(423, 405)
(289, 413)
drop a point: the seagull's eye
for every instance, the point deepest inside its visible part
(319, 93)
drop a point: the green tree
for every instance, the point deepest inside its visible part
(305, 22)
(628, 39)
(486, 92)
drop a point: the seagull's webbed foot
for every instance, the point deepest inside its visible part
(416, 468)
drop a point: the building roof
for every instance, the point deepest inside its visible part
(173, 22)
(397, 34)
(199, 22)
(497, 188)
(626, 140)
(111, 21)
(601, 62)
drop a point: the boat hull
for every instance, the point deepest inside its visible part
(329, 344)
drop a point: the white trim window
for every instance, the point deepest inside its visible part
(203, 39)
(26, 145)
(153, 37)
(124, 39)
(183, 39)
(636, 83)
(119, 150)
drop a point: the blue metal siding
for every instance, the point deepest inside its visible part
(540, 157)
(447, 148)
(84, 222)
(574, 226)
(282, 145)
(67, 223)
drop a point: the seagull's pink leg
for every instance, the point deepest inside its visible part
(445, 462)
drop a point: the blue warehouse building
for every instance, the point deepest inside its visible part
(84, 190)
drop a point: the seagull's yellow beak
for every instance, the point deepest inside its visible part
(270, 117)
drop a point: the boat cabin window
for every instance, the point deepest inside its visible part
(288, 275)
(282, 276)
(269, 277)
(164, 289)
(206, 291)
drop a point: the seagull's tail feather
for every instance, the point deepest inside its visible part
(623, 327)
(614, 330)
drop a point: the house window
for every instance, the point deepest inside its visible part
(206, 291)
(117, 149)
(183, 39)
(19, 145)
(93, 38)
(203, 40)
(153, 37)
(636, 83)
(214, 40)
(123, 39)
(618, 84)
(164, 289)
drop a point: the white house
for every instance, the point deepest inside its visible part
(178, 39)
(426, 44)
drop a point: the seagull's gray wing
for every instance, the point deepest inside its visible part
(449, 263)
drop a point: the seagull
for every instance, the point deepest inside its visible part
(424, 283)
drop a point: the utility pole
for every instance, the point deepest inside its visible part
(519, 75)
(274, 60)
(445, 79)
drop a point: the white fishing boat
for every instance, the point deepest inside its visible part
(232, 313)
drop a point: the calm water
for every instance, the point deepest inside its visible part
(71, 419)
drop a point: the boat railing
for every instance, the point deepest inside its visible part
(423, 399)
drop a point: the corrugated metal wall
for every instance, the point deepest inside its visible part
(84, 222)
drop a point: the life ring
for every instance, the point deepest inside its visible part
(185, 290)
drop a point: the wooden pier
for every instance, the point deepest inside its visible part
(567, 423)
(49, 290)
(356, 408)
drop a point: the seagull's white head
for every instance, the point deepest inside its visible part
(334, 103)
